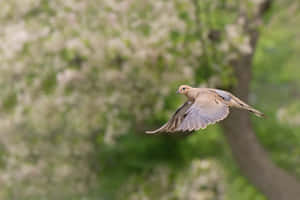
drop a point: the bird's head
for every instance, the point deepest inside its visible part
(183, 89)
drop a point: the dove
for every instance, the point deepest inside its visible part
(204, 106)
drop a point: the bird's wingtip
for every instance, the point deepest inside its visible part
(150, 132)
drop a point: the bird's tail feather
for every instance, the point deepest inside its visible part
(236, 102)
(256, 112)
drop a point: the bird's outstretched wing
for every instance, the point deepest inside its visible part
(207, 109)
(175, 120)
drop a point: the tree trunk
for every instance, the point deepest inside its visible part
(252, 159)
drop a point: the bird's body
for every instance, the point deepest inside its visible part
(204, 106)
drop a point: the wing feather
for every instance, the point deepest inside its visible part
(208, 108)
(175, 120)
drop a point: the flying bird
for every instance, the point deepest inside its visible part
(204, 106)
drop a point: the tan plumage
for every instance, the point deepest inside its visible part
(204, 106)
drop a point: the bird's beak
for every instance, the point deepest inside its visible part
(177, 92)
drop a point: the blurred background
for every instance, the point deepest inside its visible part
(80, 82)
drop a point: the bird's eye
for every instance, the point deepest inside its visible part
(183, 88)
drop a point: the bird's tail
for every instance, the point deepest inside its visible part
(236, 102)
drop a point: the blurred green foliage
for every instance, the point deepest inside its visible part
(84, 85)
(276, 75)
